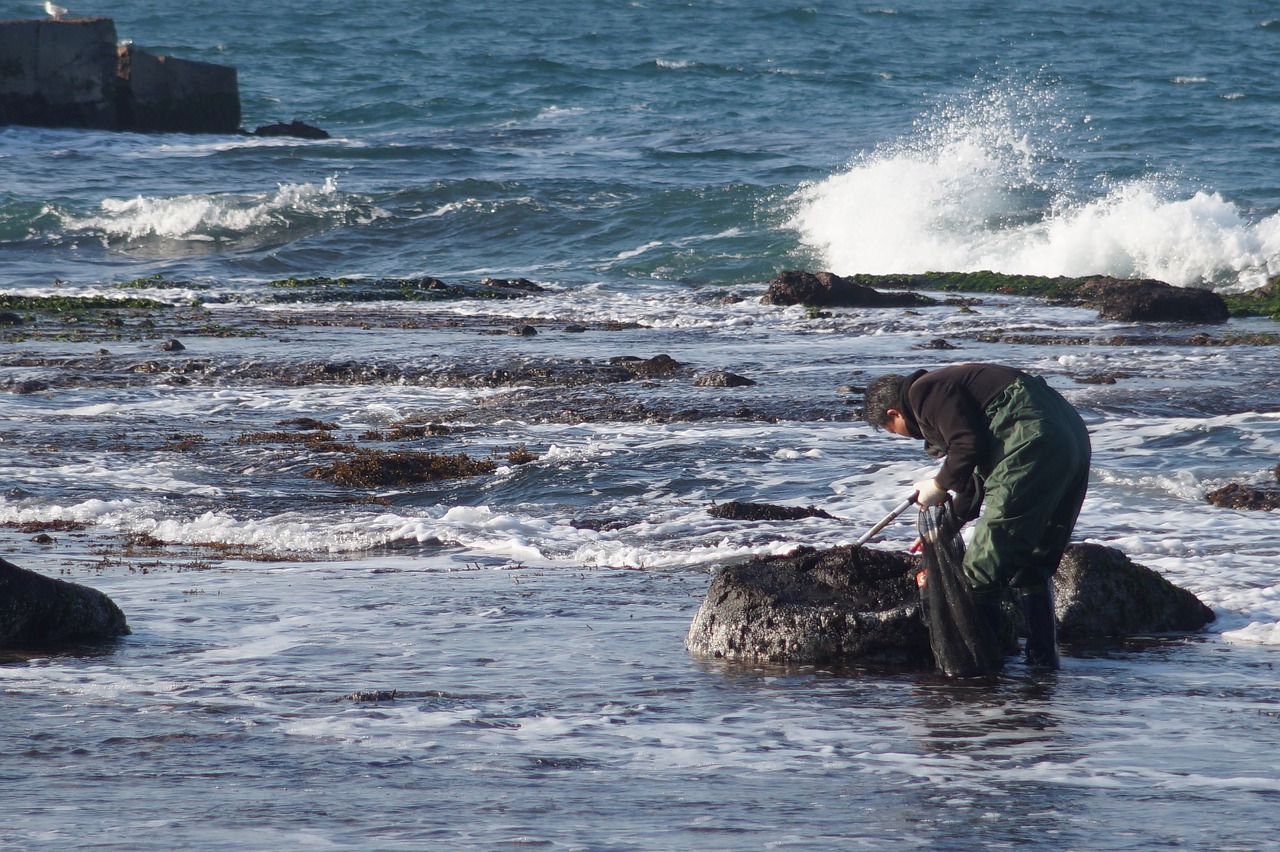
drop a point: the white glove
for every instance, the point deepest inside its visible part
(930, 493)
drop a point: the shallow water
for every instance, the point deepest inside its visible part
(530, 710)
(651, 164)
(534, 686)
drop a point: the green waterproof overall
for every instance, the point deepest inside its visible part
(1035, 475)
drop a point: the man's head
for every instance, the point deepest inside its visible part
(882, 405)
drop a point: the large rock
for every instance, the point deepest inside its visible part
(39, 611)
(858, 606)
(1099, 592)
(1147, 300)
(843, 605)
(826, 290)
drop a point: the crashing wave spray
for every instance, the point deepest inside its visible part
(981, 184)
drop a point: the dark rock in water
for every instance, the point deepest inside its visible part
(1099, 592)
(1147, 300)
(378, 469)
(842, 605)
(600, 524)
(424, 289)
(825, 290)
(30, 386)
(10, 318)
(936, 343)
(373, 695)
(39, 611)
(658, 365)
(1095, 379)
(735, 511)
(307, 424)
(295, 128)
(575, 329)
(512, 284)
(722, 379)
(1239, 496)
(860, 605)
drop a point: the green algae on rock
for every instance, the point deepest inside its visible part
(426, 289)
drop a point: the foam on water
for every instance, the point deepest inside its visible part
(987, 183)
(209, 217)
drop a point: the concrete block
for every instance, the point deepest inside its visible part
(58, 73)
(166, 94)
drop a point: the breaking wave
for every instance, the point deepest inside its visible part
(983, 184)
(212, 217)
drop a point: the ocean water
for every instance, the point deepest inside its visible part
(497, 662)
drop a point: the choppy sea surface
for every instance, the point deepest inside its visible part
(497, 661)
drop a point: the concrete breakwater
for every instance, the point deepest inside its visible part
(74, 73)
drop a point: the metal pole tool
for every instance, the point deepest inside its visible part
(888, 519)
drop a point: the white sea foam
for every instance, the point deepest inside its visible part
(1257, 633)
(978, 186)
(202, 217)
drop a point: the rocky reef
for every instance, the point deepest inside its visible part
(1126, 300)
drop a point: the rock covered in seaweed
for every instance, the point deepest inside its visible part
(1240, 496)
(38, 611)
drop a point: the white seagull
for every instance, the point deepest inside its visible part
(55, 12)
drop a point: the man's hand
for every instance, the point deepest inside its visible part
(930, 493)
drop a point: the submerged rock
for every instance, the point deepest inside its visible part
(296, 129)
(38, 611)
(851, 605)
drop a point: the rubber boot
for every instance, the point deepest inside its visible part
(1042, 627)
(989, 611)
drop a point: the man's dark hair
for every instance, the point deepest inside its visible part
(882, 394)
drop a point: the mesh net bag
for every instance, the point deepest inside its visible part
(961, 636)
